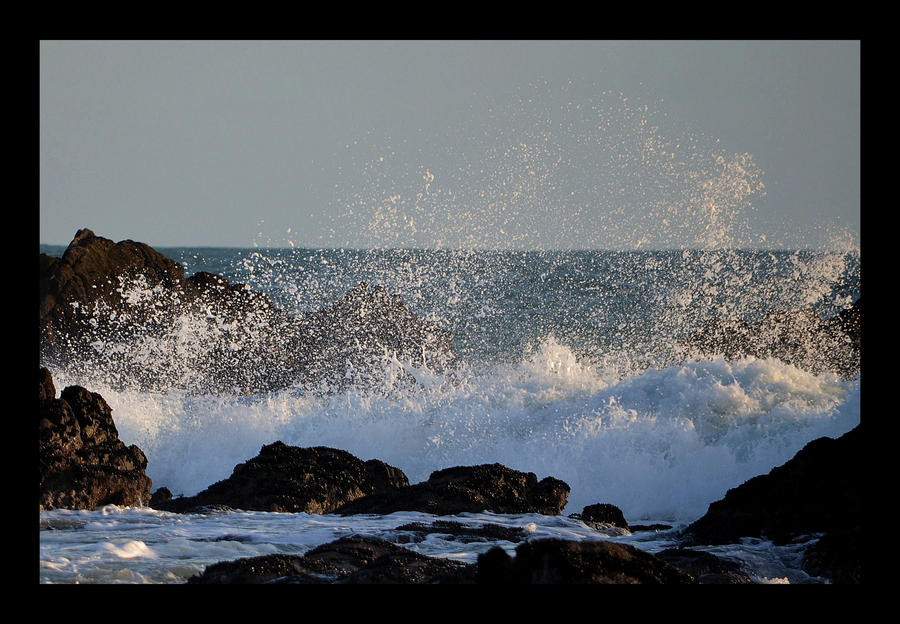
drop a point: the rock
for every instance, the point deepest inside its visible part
(461, 532)
(837, 556)
(707, 568)
(556, 561)
(292, 479)
(83, 464)
(368, 560)
(474, 489)
(818, 491)
(160, 497)
(800, 337)
(127, 312)
(602, 515)
(349, 560)
(656, 527)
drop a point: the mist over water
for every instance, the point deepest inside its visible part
(570, 247)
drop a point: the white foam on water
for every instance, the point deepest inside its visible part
(661, 443)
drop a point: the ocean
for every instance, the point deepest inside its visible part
(569, 364)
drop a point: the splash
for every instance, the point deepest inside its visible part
(547, 172)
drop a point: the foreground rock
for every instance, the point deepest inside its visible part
(486, 487)
(819, 491)
(292, 479)
(367, 560)
(801, 337)
(349, 560)
(707, 568)
(556, 561)
(83, 464)
(128, 312)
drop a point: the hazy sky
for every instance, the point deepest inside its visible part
(541, 144)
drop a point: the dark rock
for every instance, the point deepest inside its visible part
(819, 490)
(707, 568)
(463, 533)
(292, 479)
(635, 528)
(160, 496)
(556, 561)
(126, 312)
(83, 464)
(485, 487)
(800, 337)
(349, 560)
(602, 515)
(837, 556)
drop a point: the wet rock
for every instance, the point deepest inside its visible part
(460, 532)
(83, 464)
(602, 515)
(350, 560)
(292, 479)
(706, 567)
(635, 528)
(125, 311)
(556, 561)
(837, 556)
(819, 490)
(485, 487)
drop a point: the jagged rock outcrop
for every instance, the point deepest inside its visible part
(801, 337)
(485, 487)
(293, 479)
(125, 310)
(818, 491)
(83, 464)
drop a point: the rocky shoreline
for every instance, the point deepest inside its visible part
(83, 464)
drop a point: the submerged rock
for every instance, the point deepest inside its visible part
(127, 312)
(292, 479)
(474, 489)
(83, 464)
(459, 532)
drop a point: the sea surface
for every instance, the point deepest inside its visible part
(569, 364)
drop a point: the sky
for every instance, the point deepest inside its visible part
(538, 144)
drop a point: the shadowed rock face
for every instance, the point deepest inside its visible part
(491, 487)
(127, 311)
(83, 464)
(292, 479)
(818, 491)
